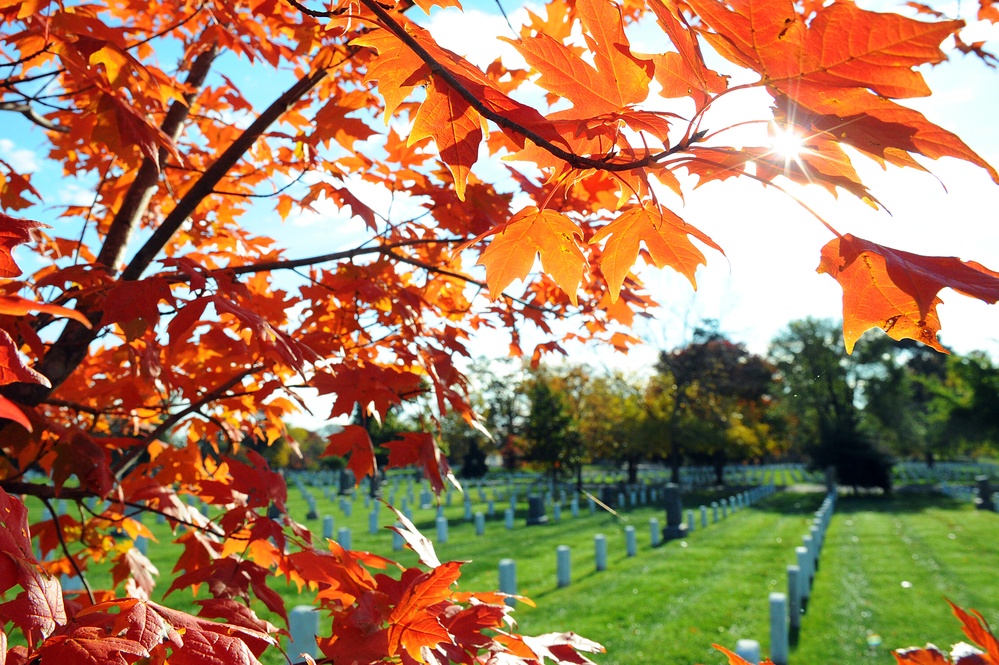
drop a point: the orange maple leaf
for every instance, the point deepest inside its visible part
(532, 232)
(455, 127)
(666, 236)
(412, 625)
(619, 77)
(842, 66)
(736, 659)
(897, 291)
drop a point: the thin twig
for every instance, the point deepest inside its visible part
(65, 549)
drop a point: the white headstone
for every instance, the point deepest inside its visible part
(563, 565)
(778, 629)
(303, 623)
(748, 650)
(600, 551)
(508, 579)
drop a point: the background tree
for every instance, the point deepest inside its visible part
(155, 301)
(823, 387)
(613, 423)
(551, 434)
(721, 391)
(969, 400)
(902, 405)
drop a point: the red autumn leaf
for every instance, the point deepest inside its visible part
(13, 232)
(18, 306)
(89, 644)
(12, 365)
(532, 232)
(930, 655)
(11, 411)
(13, 191)
(413, 624)
(212, 643)
(256, 479)
(135, 566)
(842, 66)
(234, 612)
(420, 448)
(128, 301)
(354, 441)
(974, 626)
(683, 73)
(619, 77)
(666, 236)
(81, 456)
(735, 659)
(231, 578)
(372, 387)
(39, 606)
(897, 291)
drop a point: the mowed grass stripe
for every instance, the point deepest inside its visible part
(672, 603)
(886, 567)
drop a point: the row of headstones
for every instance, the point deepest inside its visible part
(537, 514)
(304, 621)
(984, 495)
(944, 471)
(786, 608)
(343, 481)
(563, 567)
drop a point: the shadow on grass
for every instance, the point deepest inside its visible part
(897, 502)
(795, 503)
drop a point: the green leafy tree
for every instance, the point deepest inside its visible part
(613, 422)
(551, 435)
(971, 403)
(823, 387)
(721, 392)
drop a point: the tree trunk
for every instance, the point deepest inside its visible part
(632, 472)
(675, 462)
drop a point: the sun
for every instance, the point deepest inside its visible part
(787, 143)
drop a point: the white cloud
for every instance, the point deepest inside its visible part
(21, 160)
(475, 35)
(73, 194)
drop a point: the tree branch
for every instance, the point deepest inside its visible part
(31, 114)
(140, 192)
(206, 184)
(65, 549)
(574, 160)
(125, 462)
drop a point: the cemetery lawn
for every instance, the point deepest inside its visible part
(669, 604)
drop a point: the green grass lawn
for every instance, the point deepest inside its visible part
(886, 566)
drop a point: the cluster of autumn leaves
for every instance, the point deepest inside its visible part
(181, 340)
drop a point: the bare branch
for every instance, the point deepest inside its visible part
(65, 549)
(31, 114)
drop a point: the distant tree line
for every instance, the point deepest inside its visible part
(712, 402)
